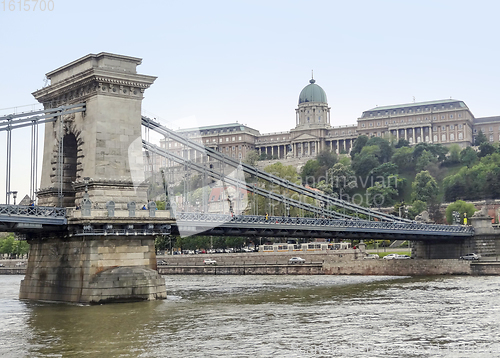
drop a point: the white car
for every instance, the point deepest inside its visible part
(402, 257)
(470, 257)
(209, 262)
(371, 257)
(390, 256)
(296, 260)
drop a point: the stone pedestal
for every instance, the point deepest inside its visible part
(92, 270)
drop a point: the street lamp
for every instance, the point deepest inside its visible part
(14, 195)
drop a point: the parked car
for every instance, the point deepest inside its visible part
(2, 265)
(390, 256)
(371, 257)
(471, 256)
(20, 263)
(402, 257)
(296, 260)
(209, 262)
(162, 262)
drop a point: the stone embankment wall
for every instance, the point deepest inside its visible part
(399, 267)
(348, 262)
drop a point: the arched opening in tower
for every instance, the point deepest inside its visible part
(69, 168)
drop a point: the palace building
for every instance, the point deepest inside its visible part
(443, 121)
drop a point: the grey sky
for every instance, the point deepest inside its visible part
(247, 61)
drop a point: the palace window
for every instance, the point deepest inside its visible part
(451, 116)
(491, 129)
(452, 136)
(460, 135)
(491, 137)
(452, 126)
(443, 137)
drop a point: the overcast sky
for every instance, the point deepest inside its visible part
(247, 61)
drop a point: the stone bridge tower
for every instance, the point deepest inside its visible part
(104, 142)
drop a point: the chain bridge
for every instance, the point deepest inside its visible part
(91, 242)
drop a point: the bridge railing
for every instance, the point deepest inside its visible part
(39, 211)
(331, 223)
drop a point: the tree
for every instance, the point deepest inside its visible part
(453, 155)
(383, 172)
(485, 149)
(416, 208)
(252, 157)
(359, 143)
(381, 195)
(425, 188)
(403, 158)
(402, 143)
(480, 138)
(367, 160)
(385, 148)
(309, 171)
(341, 179)
(461, 207)
(326, 160)
(425, 158)
(468, 156)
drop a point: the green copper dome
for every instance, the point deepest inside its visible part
(312, 93)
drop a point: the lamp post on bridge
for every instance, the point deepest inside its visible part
(14, 196)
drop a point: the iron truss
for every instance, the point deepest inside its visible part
(251, 225)
(113, 229)
(325, 199)
(32, 219)
(241, 184)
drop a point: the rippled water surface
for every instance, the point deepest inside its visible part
(266, 316)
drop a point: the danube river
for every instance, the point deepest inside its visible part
(266, 316)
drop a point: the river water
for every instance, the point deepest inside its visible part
(266, 316)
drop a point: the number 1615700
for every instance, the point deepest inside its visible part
(27, 5)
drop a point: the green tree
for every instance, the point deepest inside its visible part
(385, 148)
(453, 154)
(341, 179)
(425, 158)
(381, 195)
(359, 143)
(403, 158)
(462, 207)
(480, 138)
(416, 208)
(368, 159)
(425, 188)
(402, 143)
(309, 171)
(7, 244)
(468, 156)
(252, 157)
(486, 148)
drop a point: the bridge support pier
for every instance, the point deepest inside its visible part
(92, 270)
